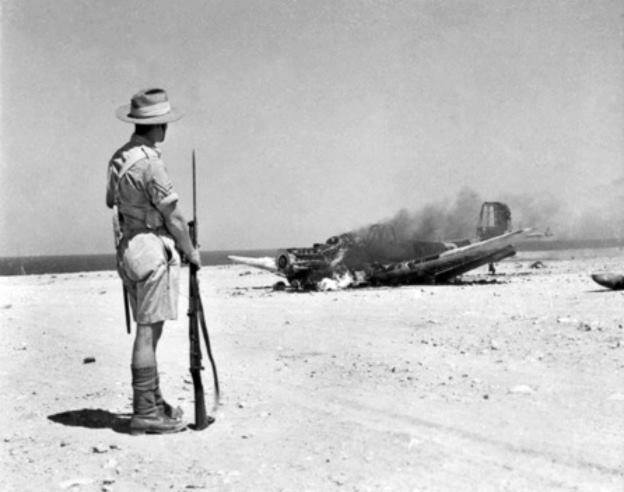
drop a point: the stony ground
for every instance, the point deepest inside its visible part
(506, 382)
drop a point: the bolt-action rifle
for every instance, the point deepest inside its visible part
(197, 321)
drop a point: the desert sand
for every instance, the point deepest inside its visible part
(505, 382)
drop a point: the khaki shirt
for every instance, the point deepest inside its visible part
(143, 190)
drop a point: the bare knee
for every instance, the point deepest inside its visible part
(144, 334)
(144, 350)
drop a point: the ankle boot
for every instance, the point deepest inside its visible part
(146, 417)
(163, 407)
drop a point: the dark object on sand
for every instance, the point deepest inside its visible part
(279, 286)
(537, 264)
(614, 281)
(88, 360)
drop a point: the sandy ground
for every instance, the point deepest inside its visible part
(506, 382)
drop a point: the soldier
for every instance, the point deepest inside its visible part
(147, 259)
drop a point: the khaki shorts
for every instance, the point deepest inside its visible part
(149, 266)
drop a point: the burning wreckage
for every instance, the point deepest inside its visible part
(379, 257)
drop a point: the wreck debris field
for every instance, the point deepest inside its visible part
(506, 382)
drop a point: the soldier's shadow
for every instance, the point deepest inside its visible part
(94, 419)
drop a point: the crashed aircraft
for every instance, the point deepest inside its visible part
(379, 257)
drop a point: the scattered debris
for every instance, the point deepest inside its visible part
(610, 280)
(75, 482)
(522, 389)
(88, 360)
(100, 448)
(582, 326)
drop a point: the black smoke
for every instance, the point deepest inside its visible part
(598, 215)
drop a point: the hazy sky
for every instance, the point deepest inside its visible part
(309, 117)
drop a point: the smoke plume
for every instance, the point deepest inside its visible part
(599, 214)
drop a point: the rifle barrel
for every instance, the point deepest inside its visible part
(197, 322)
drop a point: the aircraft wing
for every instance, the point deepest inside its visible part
(450, 263)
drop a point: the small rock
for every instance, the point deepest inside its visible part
(566, 320)
(494, 345)
(99, 448)
(88, 360)
(583, 326)
(7, 306)
(521, 389)
(486, 397)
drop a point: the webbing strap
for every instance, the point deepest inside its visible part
(134, 155)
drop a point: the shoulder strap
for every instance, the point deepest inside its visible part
(134, 155)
